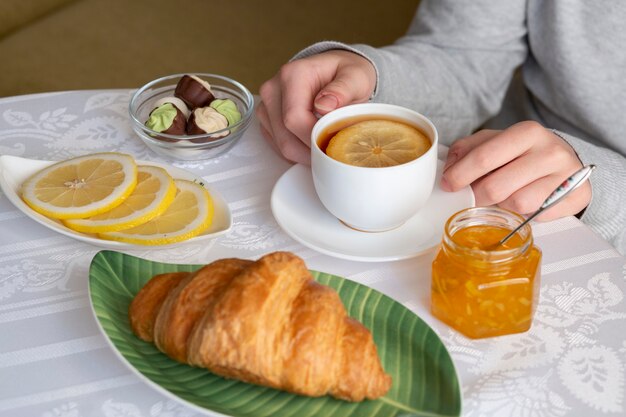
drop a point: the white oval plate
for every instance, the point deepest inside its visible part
(15, 170)
(299, 212)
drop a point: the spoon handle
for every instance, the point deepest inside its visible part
(566, 187)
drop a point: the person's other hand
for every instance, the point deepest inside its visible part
(517, 169)
(306, 87)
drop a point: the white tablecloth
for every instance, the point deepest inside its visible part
(55, 363)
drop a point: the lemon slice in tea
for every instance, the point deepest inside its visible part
(377, 143)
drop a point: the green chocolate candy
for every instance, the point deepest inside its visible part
(162, 117)
(227, 108)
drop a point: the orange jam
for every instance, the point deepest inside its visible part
(482, 289)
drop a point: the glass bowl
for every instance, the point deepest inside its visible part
(190, 147)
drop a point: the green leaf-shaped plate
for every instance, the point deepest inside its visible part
(424, 378)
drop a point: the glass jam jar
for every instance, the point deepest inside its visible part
(482, 289)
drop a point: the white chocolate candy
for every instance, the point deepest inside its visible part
(210, 120)
(176, 102)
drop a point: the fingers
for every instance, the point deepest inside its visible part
(528, 199)
(501, 183)
(517, 168)
(353, 82)
(264, 120)
(461, 147)
(343, 90)
(287, 112)
(297, 92)
(303, 155)
(270, 116)
(493, 153)
(264, 123)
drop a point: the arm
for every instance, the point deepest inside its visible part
(454, 65)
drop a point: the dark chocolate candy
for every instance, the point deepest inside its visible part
(193, 92)
(179, 125)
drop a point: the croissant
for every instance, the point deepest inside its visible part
(265, 322)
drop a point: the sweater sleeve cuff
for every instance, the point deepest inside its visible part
(605, 213)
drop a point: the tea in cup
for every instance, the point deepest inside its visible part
(374, 165)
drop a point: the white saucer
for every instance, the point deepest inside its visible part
(302, 216)
(15, 170)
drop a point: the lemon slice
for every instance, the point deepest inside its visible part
(190, 214)
(81, 187)
(377, 143)
(154, 192)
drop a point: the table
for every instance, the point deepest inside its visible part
(55, 363)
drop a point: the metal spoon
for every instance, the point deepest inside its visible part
(569, 185)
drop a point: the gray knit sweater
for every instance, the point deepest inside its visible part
(459, 57)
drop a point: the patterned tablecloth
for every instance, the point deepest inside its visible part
(55, 363)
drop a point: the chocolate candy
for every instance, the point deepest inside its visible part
(176, 102)
(193, 110)
(206, 120)
(227, 108)
(194, 91)
(167, 118)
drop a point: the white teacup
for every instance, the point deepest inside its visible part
(373, 199)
